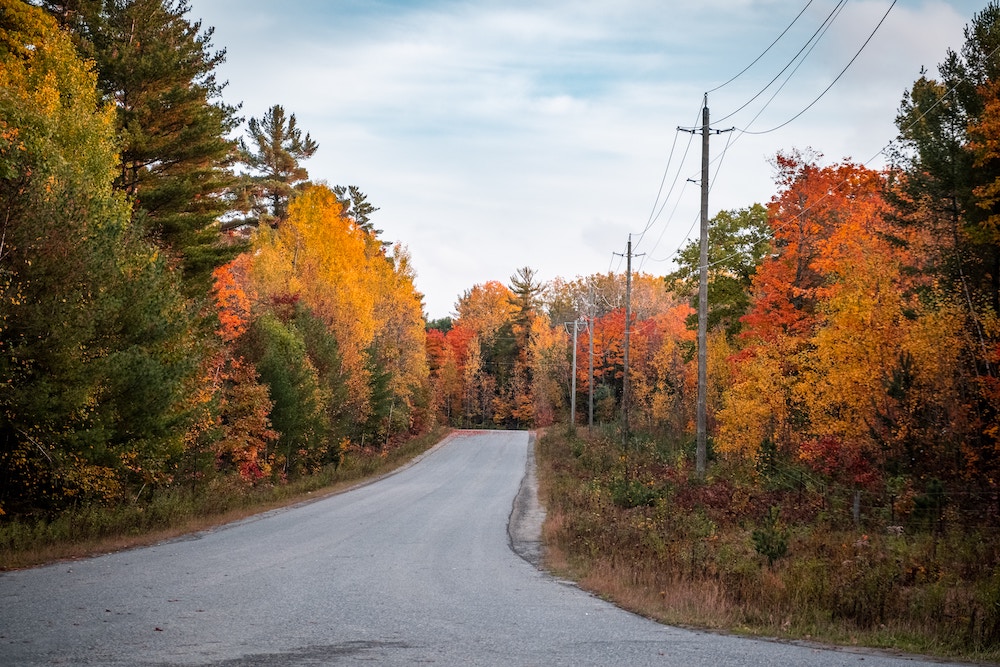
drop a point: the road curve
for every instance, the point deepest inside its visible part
(415, 568)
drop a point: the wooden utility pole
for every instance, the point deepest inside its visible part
(590, 338)
(702, 435)
(572, 392)
(628, 320)
(700, 455)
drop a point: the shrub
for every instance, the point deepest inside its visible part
(771, 539)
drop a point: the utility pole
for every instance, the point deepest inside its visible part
(702, 447)
(702, 436)
(628, 322)
(628, 326)
(590, 382)
(572, 392)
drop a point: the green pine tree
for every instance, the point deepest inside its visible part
(274, 158)
(158, 68)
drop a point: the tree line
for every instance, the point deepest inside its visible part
(179, 306)
(853, 319)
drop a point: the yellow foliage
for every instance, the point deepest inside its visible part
(367, 299)
(757, 403)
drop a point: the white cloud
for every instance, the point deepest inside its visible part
(500, 134)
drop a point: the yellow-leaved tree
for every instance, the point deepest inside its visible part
(321, 262)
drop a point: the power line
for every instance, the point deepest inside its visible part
(785, 83)
(807, 49)
(666, 199)
(833, 15)
(663, 181)
(820, 31)
(764, 52)
(827, 89)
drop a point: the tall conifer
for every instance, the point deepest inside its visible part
(158, 68)
(274, 157)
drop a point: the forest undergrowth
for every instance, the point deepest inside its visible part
(93, 529)
(766, 550)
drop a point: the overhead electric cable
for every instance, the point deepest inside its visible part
(663, 181)
(764, 52)
(827, 89)
(653, 218)
(824, 28)
(666, 199)
(740, 132)
(820, 31)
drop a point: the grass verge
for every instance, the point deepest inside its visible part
(167, 513)
(730, 554)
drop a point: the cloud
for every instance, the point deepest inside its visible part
(498, 134)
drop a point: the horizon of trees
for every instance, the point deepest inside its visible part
(178, 306)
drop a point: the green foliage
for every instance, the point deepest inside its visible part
(324, 355)
(771, 539)
(278, 351)
(380, 401)
(627, 492)
(274, 155)
(157, 67)
(443, 324)
(946, 127)
(95, 338)
(357, 208)
(738, 241)
(526, 291)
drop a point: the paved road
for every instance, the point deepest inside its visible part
(414, 569)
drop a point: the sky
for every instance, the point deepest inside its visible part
(500, 134)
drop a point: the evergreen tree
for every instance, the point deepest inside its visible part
(357, 207)
(274, 159)
(157, 67)
(96, 342)
(946, 177)
(526, 295)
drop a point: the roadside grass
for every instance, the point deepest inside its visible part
(731, 555)
(168, 513)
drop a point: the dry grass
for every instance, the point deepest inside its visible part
(684, 553)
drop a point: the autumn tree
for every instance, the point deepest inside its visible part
(484, 308)
(838, 369)
(97, 351)
(661, 373)
(811, 205)
(320, 260)
(239, 431)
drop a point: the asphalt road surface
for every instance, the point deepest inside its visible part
(414, 569)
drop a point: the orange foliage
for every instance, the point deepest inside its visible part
(246, 428)
(231, 300)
